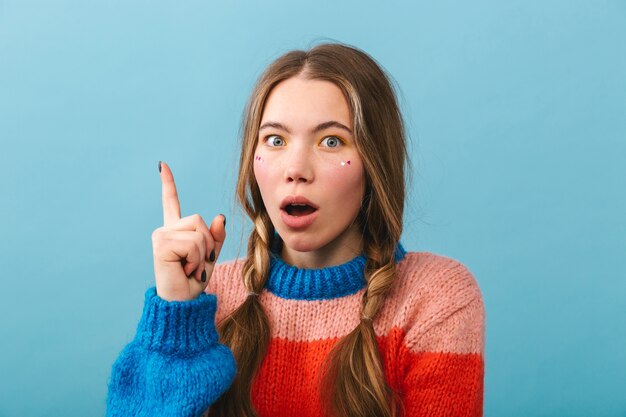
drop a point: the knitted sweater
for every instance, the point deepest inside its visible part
(430, 332)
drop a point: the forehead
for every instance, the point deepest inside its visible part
(301, 101)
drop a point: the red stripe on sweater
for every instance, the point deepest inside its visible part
(430, 384)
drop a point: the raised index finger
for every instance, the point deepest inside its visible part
(171, 206)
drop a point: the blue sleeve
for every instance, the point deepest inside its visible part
(175, 366)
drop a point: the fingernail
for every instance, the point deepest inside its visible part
(212, 256)
(203, 276)
(224, 219)
(159, 166)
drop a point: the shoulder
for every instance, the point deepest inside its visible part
(437, 278)
(432, 292)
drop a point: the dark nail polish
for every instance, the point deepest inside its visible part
(159, 166)
(224, 219)
(203, 276)
(212, 256)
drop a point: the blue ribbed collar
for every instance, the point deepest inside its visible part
(291, 282)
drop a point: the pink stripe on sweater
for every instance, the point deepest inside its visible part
(435, 302)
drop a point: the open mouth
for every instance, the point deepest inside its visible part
(298, 210)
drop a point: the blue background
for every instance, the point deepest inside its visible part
(516, 111)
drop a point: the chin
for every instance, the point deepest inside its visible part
(300, 243)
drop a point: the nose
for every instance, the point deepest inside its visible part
(299, 167)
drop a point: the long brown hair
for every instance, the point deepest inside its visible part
(353, 382)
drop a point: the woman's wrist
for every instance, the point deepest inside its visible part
(178, 327)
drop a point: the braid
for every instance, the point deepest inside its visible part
(354, 382)
(246, 330)
(256, 268)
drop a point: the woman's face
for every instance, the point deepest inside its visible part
(306, 150)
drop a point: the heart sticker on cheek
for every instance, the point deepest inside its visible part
(345, 163)
(258, 158)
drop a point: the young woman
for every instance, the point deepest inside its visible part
(327, 314)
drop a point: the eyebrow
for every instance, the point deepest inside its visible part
(316, 129)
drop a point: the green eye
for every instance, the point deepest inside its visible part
(274, 140)
(332, 141)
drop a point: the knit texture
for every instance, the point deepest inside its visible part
(429, 329)
(175, 365)
(290, 282)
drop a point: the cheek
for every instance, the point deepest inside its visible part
(262, 171)
(262, 177)
(348, 181)
(268, 175)
(348, 171)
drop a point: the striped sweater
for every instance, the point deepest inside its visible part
(430, 331)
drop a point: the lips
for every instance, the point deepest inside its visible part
(298, 211)
(292, 201)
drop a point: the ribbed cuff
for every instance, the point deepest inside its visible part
(178, 327)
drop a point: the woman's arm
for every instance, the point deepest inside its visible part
(445, 366)
(175, 365)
